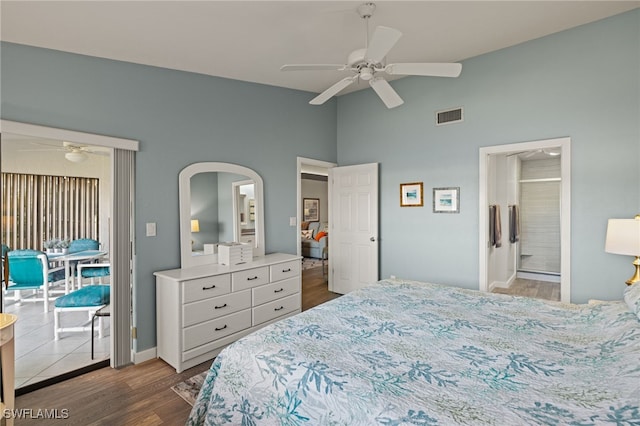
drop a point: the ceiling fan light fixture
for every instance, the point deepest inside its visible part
(366, 74)
(76, 157)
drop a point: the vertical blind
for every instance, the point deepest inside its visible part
(36, 208)
(122, 255)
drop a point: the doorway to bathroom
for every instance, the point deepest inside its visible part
(525, 219)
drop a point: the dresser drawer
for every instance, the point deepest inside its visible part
(277, 308)
(203, 288)
(215, 307)
(243, 280)
(268, 292)
(285, 270)
(215, 329)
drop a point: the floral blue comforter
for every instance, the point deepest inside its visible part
(410, 353)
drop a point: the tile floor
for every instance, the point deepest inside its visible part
(532, 288)
(39, 356)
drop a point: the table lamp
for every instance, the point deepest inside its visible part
(195, 227)
(623, 237)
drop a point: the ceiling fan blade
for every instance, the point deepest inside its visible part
(383, 39)
(101, 153)
(333, 90)
(313, 67)
(384, 90)
(427, 69)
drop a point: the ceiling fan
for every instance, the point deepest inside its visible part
(76, 153)
(368, 64)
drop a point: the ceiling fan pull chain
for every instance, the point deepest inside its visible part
(366, 32)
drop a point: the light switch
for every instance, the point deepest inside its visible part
(292, 221)
(151, 229)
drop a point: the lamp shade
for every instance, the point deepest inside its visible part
(195, 225)
(623, 236)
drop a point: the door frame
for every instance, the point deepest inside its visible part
(564, 144)
(300, 162)
(84, 138)
(237, 224)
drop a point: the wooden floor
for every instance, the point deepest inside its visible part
(314, 288)
(532, 288)
(136, 395)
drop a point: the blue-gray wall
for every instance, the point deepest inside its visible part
(179, 118)
(583, 83)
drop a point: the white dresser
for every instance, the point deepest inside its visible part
(202, 309)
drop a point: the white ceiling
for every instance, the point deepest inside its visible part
(250, 40)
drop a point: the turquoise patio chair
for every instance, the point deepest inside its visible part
(29, 270)
(90, 299)
(83, 244)
(88, 270)
(92, 271)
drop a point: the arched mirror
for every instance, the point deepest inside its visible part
(219, 202)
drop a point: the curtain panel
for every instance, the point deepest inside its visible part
(36, 208)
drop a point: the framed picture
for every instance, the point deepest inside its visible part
(411, 195)
(311, 209)
(446, 200)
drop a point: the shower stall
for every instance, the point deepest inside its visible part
(539, 195)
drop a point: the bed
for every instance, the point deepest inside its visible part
(406, 352)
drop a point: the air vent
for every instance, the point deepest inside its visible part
(449, 116)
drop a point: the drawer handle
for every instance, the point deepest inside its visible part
(209, 288)
(221, 328)
(220, 307)
(252, 278)
(278, 291)
(286, 270)
(279, 309)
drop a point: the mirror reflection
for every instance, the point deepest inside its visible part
(223, 209)
(219, 202)
(245, 229)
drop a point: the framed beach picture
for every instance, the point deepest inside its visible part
(446, 200)
(411, 194)
(311, 209)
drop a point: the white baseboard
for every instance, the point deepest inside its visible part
(145, 355)
(496, 284)
(502, 284)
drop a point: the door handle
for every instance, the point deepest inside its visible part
(372, 239)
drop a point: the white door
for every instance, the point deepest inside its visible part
(353, 238)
